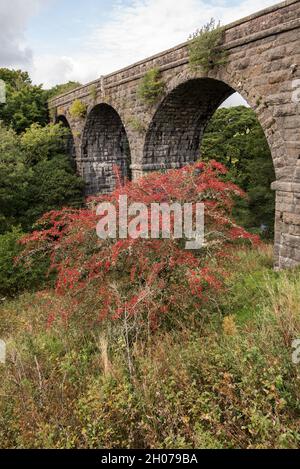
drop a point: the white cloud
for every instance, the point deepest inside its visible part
(150, 26)
(14, 15)
(136, 31)
(131, 33)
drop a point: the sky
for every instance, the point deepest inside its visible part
(62, 40)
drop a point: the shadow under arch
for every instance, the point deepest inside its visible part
(70, 144)
(104, 145)
(174, 135)
(175, 132)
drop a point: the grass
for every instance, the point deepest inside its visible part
(227, 383)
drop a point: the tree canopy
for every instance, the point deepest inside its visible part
(25, 103)
(36, 174)
(33, 155)
(235, 138)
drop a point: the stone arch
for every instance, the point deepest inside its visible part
(70, 144)
(180, 118)
(175, 131)
(104, 144)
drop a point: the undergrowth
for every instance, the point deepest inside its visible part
(227, 382)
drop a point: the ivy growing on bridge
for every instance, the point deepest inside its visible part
(151, 86)
(205, 52)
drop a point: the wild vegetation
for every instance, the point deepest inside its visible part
(145, 282)
(25, 103)
(140, 343)
(36, 175)
(64, 88)
(205, 51)
(94, 92)
(78, 109)
(136, 124)
(224, 381)
(235, 138)
(151, 87)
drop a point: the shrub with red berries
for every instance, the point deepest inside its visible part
(146, 283)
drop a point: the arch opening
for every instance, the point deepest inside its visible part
(191, 124)
(104, 145)
(235, 138)
(176, 130)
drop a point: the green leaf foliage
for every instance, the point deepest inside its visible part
(78, 109)
(235, 138)
(16, 277)
(204, 47)
(41, 143)
(151, 86)
(63, 88)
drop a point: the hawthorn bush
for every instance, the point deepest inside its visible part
(228, 384)
(142, 283)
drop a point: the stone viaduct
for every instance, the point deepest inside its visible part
(263, 66)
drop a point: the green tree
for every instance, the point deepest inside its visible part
(36, 175)
(13, 179)
(25, 103)
(235, 138)
(42, 143)
(151, 86)
(16, 277)
(52, 185)
(52, 181)
(63, 88)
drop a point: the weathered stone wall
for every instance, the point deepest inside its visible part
(287, 225)
(104, 144)
(263, 66)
